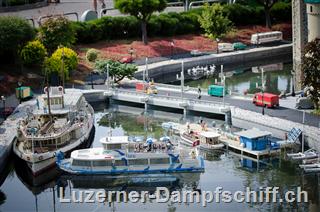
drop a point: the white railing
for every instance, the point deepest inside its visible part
(201, 2)
(172, 98)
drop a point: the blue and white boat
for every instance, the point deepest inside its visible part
(120, 156)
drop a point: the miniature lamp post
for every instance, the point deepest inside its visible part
(172, 46)
(181, 78)
(131, 53)
(4, 103)
(91, 80)
(19, 87)
(262, 90)
(218, 40)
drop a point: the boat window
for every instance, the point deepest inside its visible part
(159, 161)
(113, 146)
(102, 163)
(119, 163)
(138, 162)
(81, 163)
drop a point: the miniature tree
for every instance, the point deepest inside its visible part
(142, 10)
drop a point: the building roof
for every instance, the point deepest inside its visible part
(253, 133)
(70, 98)
(115, 140)
(312, 1)
(209, 134)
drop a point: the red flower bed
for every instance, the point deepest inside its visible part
(158, 47)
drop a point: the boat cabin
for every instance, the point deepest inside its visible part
(210, 138)
(254, 139)
(115, 142)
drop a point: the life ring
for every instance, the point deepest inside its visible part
(60, 88)
(40, 157)
(136, 146)
(140, 146)
(163, 146)
(154, 146)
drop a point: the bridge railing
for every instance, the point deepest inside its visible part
(173, 98)
(104, 11)
(194, 3)
(57, 15)
(174, 4)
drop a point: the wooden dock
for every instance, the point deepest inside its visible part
(234, 145)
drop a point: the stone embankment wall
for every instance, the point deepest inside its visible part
(165, 71)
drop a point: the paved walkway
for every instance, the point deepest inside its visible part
(67, 6)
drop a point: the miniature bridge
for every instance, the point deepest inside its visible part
(173, 102)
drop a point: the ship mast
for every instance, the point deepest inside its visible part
(62, 72)
(48, 98)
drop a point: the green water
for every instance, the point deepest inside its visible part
(22, 192)
(244, 80)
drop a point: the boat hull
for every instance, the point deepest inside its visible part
(49, 160)
(189, 142)
(65, 166)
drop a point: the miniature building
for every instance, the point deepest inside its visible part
(313, 12)
(56, 98)
(254, 139)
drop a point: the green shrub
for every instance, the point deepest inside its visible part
(33, 53)
(92, 55)
(62, 57)
(87, 32)
(244, 15)
(15, 32)
(214, 21)
(56, 31)
(117, 70)
(167, 24)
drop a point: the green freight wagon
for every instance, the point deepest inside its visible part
(215, 90)
(24, 92)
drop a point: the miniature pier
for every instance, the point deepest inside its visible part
(235, 146)
(8, 130)
(252, 144)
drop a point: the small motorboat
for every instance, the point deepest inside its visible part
(311, 161)
(309, 154)
(206, 140)
(310, 168)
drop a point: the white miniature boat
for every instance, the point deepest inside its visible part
(65, 124)
(306, 166)
(310, 168)
(309, 154)
(311, 161)
(120, 156)
(206, 140)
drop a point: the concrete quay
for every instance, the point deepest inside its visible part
(8, 129)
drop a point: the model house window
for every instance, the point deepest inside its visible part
(311, 9)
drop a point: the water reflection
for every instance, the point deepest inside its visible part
(277, 79)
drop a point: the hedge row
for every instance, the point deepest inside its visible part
(124, 27)
(246, 15)
(167, 24)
